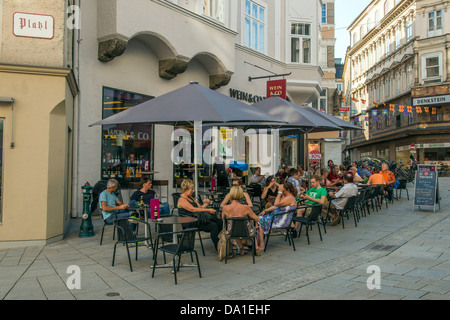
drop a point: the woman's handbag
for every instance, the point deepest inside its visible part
(222, 246)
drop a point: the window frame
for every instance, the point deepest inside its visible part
(424, 67)
(301, 41)
(251, 41)
(436, 30)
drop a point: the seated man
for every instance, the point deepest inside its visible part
(145, 193)
(315, 195)
(296, 181)
(258, 178)
(365, 172)
(389, 178)
(112, 208)
(334, 177)
(340, 198)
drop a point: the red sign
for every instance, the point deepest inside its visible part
(315, 156)
(276, 88)
(412, 147)
(344, 109)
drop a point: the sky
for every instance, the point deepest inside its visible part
(346, 12)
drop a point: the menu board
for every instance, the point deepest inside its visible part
(426, 186)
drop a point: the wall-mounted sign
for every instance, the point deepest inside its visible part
(241, 95)
(32, 25)
(276, 88)
(426, 101)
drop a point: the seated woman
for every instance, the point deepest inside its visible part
(270, 191)
(188, 206)
(245, 197)
(284, 202)
(356, 176)
(238, 210)
(324, 181)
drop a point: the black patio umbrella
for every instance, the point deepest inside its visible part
(297, 118)
(341, 123)
(192, 104)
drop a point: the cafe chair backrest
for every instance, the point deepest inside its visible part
(124, 232)
(315, 212)
(187, 240)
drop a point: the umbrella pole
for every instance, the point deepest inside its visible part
(197, 128)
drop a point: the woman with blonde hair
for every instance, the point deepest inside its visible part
(238, 210)
(188, 206)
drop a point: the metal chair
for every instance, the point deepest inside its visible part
(239, 230)
(288, 230)
(103, 230)
(126, 236)
(349, 207)
(185, 245)
(401, 186)
(309, 221)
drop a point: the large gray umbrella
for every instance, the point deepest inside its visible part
(297, 118)
(193, 104)
(341, 123)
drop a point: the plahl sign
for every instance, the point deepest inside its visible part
(276, 88)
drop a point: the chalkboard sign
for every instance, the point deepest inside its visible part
(426, 186)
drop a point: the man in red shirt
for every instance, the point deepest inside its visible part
(334, 177)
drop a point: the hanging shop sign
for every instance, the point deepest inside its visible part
(32, 25)
(276, 88)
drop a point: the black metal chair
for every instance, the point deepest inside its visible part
(401, 186)
(103, 230)
(239, 230)
(287, 229)
(310, 220)
(185, 245)
(175, 197)
(349, 207)
(126, 236)
(256, 192)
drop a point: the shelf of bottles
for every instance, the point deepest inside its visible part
(125, 163)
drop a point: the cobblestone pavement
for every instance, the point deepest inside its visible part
(411, 249)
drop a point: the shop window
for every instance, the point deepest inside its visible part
(127, 149)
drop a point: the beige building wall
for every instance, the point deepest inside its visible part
(37, 128)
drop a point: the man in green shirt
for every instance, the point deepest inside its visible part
(315, 195)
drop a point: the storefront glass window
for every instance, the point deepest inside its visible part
(127, 149)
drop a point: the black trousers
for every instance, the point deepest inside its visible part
(390, 191)
(214, 228)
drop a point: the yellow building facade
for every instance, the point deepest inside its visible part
(37, 92)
